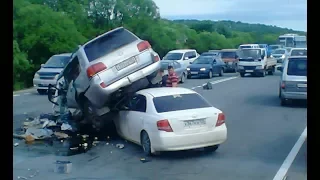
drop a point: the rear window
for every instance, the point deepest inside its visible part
(179, 102)
(108, 43)
(242, 47)
(173, 56)
(297, 67)
(299, 53)
(228, 54)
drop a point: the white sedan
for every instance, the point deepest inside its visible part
(170, 119)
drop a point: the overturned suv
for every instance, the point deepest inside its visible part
(104, 70)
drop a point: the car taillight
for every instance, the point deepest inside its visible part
(143, 46)
(95, 68)
(221, 119)
(283, 85)
(164, 125)
(156, 58)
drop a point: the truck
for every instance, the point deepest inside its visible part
(293, 40)
(255, 62)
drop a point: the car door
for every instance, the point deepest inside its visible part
(193, 56)
(185, 61)
(71, 74)
(136, 116)
(215, 66)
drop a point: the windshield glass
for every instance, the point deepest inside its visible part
(299, 52)
(262, 46)
(179, 102)
(250, 53)
(290, 42)
(173, 56)
(203, 60)
(57, 62)
(297, 67)
(274, 47)
(279, 51)
(209, 54)
(228, 54)
(243, 47)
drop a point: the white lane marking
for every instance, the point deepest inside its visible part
(16, 95)
(282, 172)
(216, 82)
(26, 93)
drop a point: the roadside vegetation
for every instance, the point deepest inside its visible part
(46, 27)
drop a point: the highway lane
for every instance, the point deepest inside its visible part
(261, 134)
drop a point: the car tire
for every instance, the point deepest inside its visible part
(242, 74)
(145, 143)
(283, 102)
(183, 78)
(188, 77)
(210, 75)
(211, 148)
(263, 74)
(271, 71)
(221, 72)
(42, 91)
(90, 116)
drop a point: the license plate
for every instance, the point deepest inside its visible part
(125, 63)
(302, 85)
(194, 72)
(249, 70)
(192, 123)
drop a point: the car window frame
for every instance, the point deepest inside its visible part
(132, 107)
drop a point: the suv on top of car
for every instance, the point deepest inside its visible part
(107, 65)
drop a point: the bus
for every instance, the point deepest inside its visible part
(293, 41)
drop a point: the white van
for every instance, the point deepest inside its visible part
(183, 56)
(293, 82)
(242, 46)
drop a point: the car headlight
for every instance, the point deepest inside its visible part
(282, 56)
(202, 69)
(259, 67)
(56, 76)
(188, 69)
(240, 67)
(36, 76)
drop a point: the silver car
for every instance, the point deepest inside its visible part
(179, 69)
(105, 67)
(293, 83)
(49, 72)
(298, 52)
(280, 55)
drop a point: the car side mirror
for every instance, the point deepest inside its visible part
(214, 62)
(124, 108)
(280, 68)
(186, 58)
(262, 56)
(190, 62)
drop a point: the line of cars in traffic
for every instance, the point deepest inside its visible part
(112, 73)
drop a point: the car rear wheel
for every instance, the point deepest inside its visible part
(42, 91)
(212, 148)
(210, 74)
(242, 74)
(183, 78)
(90, 115)
(146, 143)
(283, 102)
(188, 77)
(221, 72)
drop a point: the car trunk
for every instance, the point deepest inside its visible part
(192, 120)
(297, 85)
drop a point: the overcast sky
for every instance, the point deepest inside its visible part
(283, 13)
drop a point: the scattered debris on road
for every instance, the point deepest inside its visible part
(120, 146)
(144, 160)
(16, 144)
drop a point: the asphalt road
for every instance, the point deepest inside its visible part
(261, 134)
